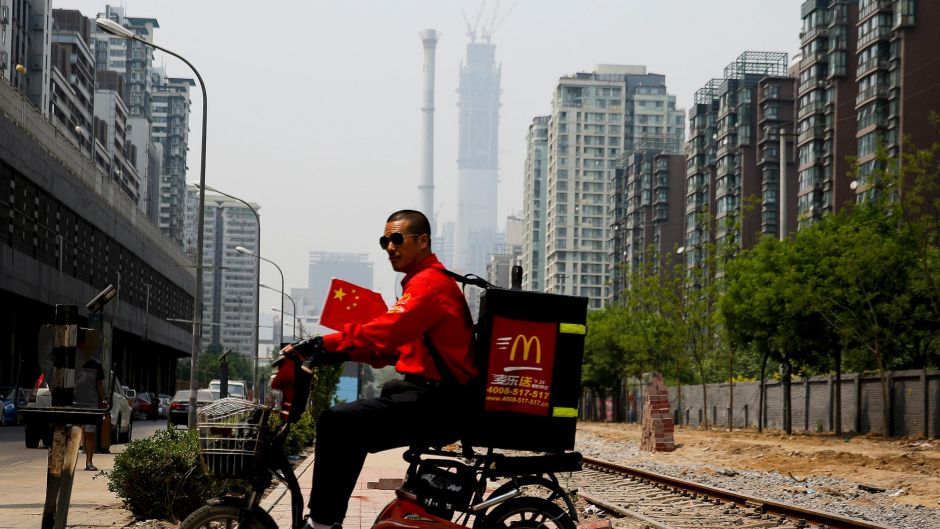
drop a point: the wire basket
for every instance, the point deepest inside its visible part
(230, 436)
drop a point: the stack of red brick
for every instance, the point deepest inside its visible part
(657, 421)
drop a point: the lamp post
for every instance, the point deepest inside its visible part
(246, 251)
(254, 371)
(109, 26)
(294, 314)
(297, 321)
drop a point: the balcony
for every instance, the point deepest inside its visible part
(813, 133)
(817, 32)
(869, 66)
(872, 92)
(813, 84)
(812, 108)
(872, 8)
(768, 157)
(878, 33)
(819, 56)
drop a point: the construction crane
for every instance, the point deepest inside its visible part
(472, 28)
(494, 24)
(486, 31)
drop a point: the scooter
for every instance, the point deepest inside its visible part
(442, 489)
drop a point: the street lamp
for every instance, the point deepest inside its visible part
(294, 314)
(254, 373)
(246, 251)
(109, 26)
(297, 321)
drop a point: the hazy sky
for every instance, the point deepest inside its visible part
(314, 106)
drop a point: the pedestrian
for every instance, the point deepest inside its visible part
(427, 336)
(89, 389)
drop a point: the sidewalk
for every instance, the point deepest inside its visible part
(380, 476)
(23, 495)
(93, 506)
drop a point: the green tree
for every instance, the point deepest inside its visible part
(863, 286)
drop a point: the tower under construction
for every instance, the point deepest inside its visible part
(477, 161)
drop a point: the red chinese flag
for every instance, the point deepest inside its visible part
(349, 303)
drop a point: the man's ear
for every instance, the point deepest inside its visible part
(425, 241)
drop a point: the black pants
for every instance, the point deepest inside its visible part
(405, 414)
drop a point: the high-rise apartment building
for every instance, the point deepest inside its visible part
(25, 48)
(733, 154)
(158, 109)
(229, 302)
(533, 199)
(648, 203)
(72, 90)
(826, 107)
(478, 158)
(864, 82)
(130, 58)
(596, 118)
(111, 117)
(169, 117)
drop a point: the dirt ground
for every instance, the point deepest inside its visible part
(913, 465)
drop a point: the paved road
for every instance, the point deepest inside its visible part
(23, 484)
(13, 447)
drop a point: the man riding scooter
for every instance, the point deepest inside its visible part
(427, 336)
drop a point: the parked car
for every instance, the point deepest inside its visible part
(163, 409)
(35, 430)
(12, 399)
(145, 406)
(236, 388)
(131, 396)
(179, 405)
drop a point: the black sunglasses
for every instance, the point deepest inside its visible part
(396, 238)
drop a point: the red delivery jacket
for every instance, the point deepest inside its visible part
(431, 304)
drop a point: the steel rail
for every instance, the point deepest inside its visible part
(705, 492)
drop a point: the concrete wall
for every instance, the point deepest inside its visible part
(914, 403)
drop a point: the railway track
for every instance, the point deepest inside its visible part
(664, 502)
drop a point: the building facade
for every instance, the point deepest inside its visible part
(111, 117)
(229, 295)
(25, 49)
(169, 118)
(596, 118)
(733, 155)
(533, 214)
(72, 89)
(863, 84)
(649, 201)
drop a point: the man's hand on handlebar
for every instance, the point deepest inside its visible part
(313, 353)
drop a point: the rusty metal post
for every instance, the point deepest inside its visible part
(63, 457)
(63, 453)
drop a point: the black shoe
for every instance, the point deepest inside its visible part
(310, 525)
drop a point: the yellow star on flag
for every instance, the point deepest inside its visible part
(338, 294)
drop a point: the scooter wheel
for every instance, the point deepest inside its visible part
(218, 516)
(526, 512)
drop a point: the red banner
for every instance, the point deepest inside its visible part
(519, 377)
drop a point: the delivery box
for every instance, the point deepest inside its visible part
(532, 344)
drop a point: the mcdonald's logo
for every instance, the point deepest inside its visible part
(526, 345)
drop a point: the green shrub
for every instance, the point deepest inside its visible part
(160, 477)
(301, 433)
